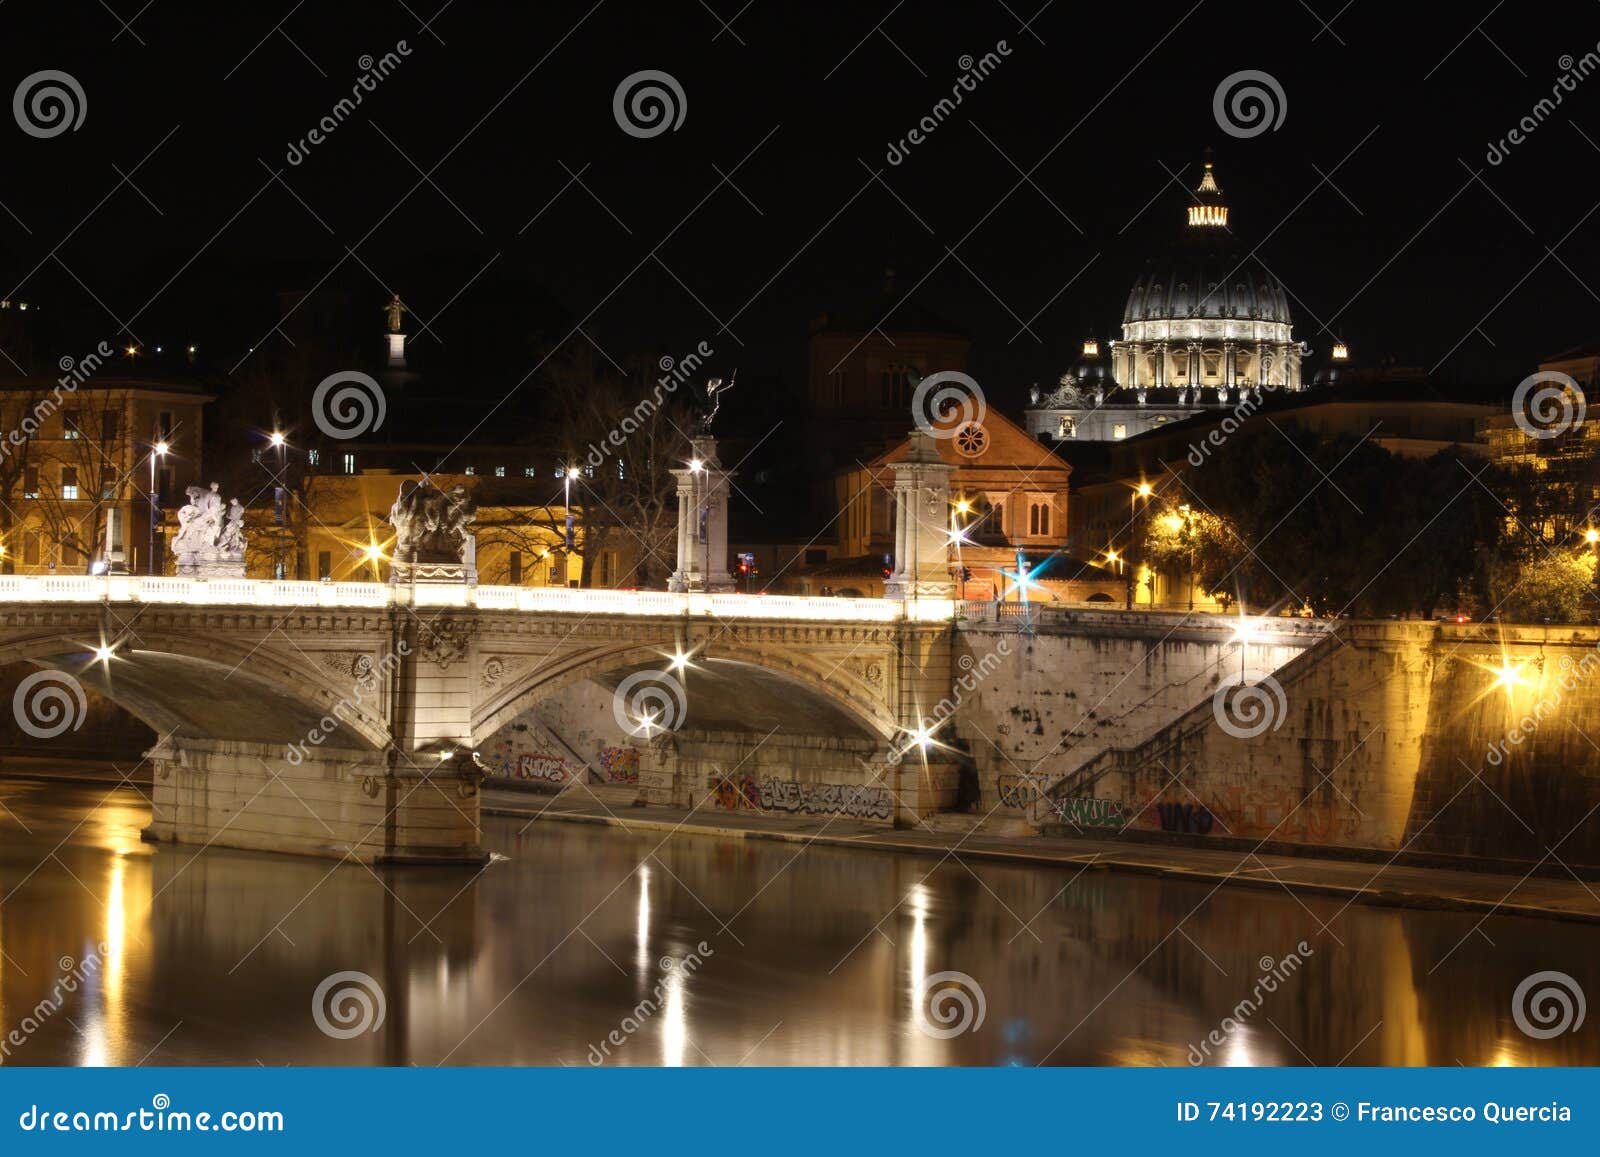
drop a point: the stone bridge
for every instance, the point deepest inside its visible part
(343, 718)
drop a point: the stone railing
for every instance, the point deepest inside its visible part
(551, 600)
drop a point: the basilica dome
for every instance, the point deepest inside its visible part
(1206, 313)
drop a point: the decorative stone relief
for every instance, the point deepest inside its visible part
(352, 665)
(444, 640)
(498, 667)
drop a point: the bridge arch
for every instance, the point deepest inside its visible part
(801, 693)
(205, 686)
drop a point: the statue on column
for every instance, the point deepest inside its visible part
(396, 311)
(706, 412)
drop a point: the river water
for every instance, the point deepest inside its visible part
(585, 944)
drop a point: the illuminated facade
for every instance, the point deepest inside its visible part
(1204, 325)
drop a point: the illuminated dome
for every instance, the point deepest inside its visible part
(1206, 313)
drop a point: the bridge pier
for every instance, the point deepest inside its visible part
(340, 803)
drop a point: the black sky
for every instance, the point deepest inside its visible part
(1403, 252)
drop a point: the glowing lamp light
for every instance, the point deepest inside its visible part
(679, 661)
(963, 507)
(695, 465)
(1112, 556)
(1341, 352)
(104, 653)
(276, 439)
(374, 553)
(1507, 676)
(131, 351)
(572, 473)
(161, 448)
(1091, 348)
(1146, 490)
(1248, 631)
(1591, 536)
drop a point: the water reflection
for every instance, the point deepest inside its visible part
(578, 939)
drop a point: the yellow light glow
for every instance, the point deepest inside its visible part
(1146, 490)
(1591, 536)
(1172, 522)
(679, 661)
(1247, 631)
(276, 439)
(131, 351)
(1341, 352)
(1091, 348)
(572, 473)
(104, 653)
(695, 465)
(963, 507)
(1112, 556)
(1507, 676)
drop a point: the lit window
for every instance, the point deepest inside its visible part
(1119, 431)
(470, 471)
(499, 471)
(349, 463)
(69, 425)
(69, 482)
(1067, 429)
(530, 472)
(313, 457)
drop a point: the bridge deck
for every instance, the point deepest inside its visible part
(551, 600)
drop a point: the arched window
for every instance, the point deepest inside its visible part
(1038, 519)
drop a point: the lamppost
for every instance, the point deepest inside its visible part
(567, 479)
(277, 442)
(157, 450)
(1143, 490)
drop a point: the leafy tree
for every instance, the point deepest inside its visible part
(1556, 588)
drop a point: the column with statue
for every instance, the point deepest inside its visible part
(703, 487)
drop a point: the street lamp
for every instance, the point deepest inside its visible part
(158, 450)
(567, 480)
(1143, 490)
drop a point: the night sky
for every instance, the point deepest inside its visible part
(487, 180)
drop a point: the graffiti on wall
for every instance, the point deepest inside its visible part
(1091, 813)
(791, 797)
(543, 766)
(1189, 818)
(1017, 791)
(827, 799)
(735, 794)
(1258, 812)
(619, 764)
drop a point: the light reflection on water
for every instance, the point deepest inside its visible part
(212, 957)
